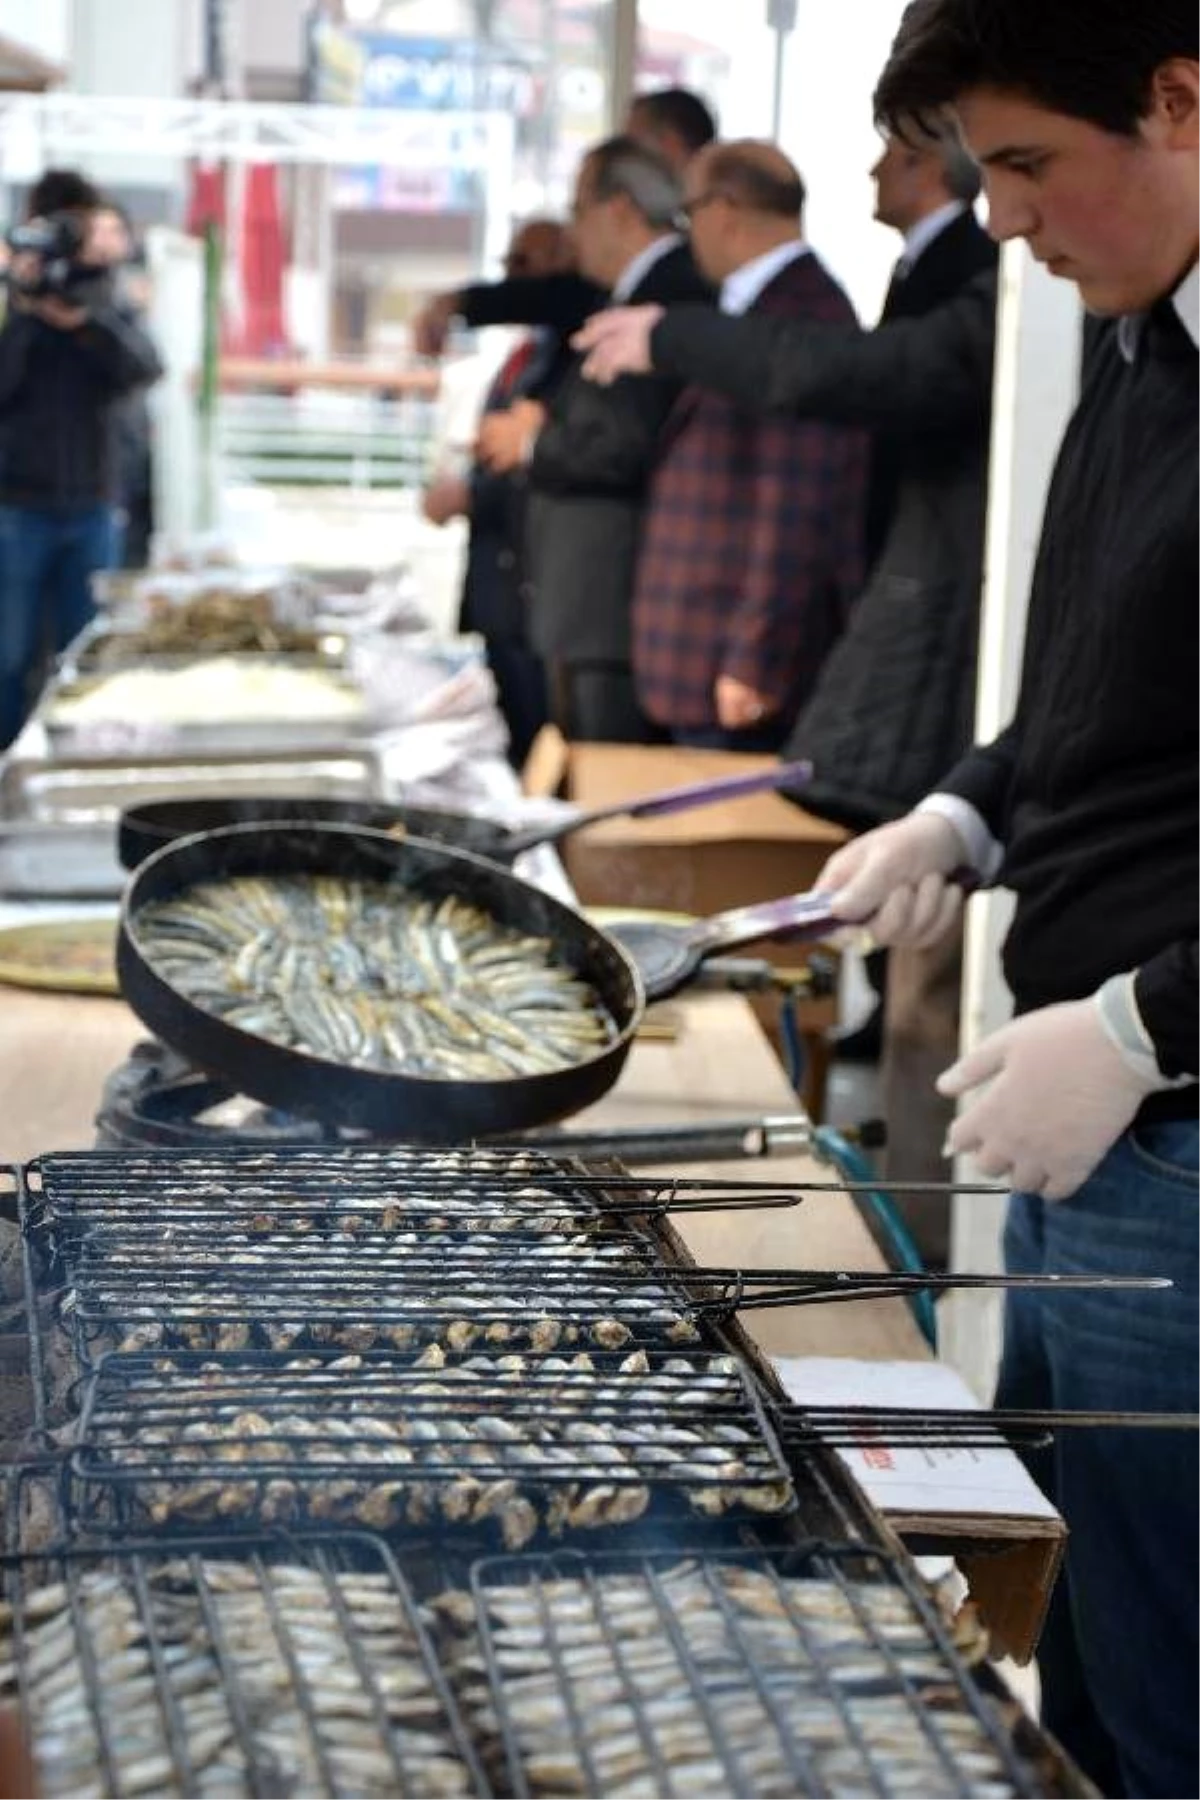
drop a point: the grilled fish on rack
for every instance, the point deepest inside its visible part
(524, 1443)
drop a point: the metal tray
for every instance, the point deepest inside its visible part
(53, 861)
(97, 739)
(92, 790)
(108, 652)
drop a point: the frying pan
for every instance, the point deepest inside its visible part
(393, 1104)
(668, 956)
(146, 828)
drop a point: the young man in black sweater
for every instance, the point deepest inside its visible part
(1083, 115)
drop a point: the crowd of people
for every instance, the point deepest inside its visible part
(753, 554)
(777, 517)
(75, 365)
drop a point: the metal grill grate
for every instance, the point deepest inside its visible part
(520, 1445)
(300, 1668)
(751, 1674)
(31, 1505)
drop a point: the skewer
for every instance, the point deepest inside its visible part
(966, 1428)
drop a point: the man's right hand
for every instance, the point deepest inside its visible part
(431, 327)
(447, 497)
(893, 880)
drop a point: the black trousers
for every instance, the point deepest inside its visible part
(520, 691)
(596, 702)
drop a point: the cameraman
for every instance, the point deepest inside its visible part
(67, 356)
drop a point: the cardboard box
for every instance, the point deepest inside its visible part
(703, 862)
(977, 1505)
(695, 862)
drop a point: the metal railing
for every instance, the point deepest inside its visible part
(356, 441)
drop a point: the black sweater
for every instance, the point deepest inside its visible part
(1093, 787)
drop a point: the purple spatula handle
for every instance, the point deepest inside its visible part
(676, 799)
(725, 787)
(796, 915)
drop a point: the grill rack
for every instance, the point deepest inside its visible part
(64, 1191)
(542, 1446)
(253, 1689)
(78, 1188)
(31, 1505)
(794, 1693)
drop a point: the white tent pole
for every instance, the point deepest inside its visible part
(1038, 333)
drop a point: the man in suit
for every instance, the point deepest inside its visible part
(752, 545)
(493, 503)
(895, 700)
(673, 123)
(590, 455)
(925, 191)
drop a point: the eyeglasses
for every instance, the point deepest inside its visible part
(690, 208)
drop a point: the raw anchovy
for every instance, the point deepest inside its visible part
(258, 1685)
(758, 1685)
(364, 973)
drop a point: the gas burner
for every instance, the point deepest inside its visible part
(156, 1098)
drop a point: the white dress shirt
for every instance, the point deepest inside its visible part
(740, 290)
(635, 272)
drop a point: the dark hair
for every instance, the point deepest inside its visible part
(61, 190)
(620, 165)
(678, 110)
(1090, 59)
(737, 172)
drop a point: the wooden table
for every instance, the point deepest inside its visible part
(56, 1051)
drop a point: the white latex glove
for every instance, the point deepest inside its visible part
(1060, 1094)
(894, 880)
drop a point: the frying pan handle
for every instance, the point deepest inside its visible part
(706, 793)
(796, 915)
(671, 800)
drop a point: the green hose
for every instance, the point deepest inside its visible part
(855, 1167)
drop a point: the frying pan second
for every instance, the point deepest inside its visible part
(392, 1103)
(148, 826)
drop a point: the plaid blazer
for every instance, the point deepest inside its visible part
(752, 540)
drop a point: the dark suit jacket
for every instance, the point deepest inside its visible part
(560, 301)
(752, 543)
(959, 252)
(893, 707)
(492, 601)
(587, 486)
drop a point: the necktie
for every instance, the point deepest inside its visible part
(511, 371)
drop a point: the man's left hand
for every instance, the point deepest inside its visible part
(1059, 1096)
(617, 342)
(738, 705)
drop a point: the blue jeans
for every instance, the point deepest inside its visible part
(1118, 1658)
(47, 557)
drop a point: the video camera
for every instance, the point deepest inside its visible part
(56, 241)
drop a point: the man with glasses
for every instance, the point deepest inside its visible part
(588, 458)
(674, 124)
(752, 544)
